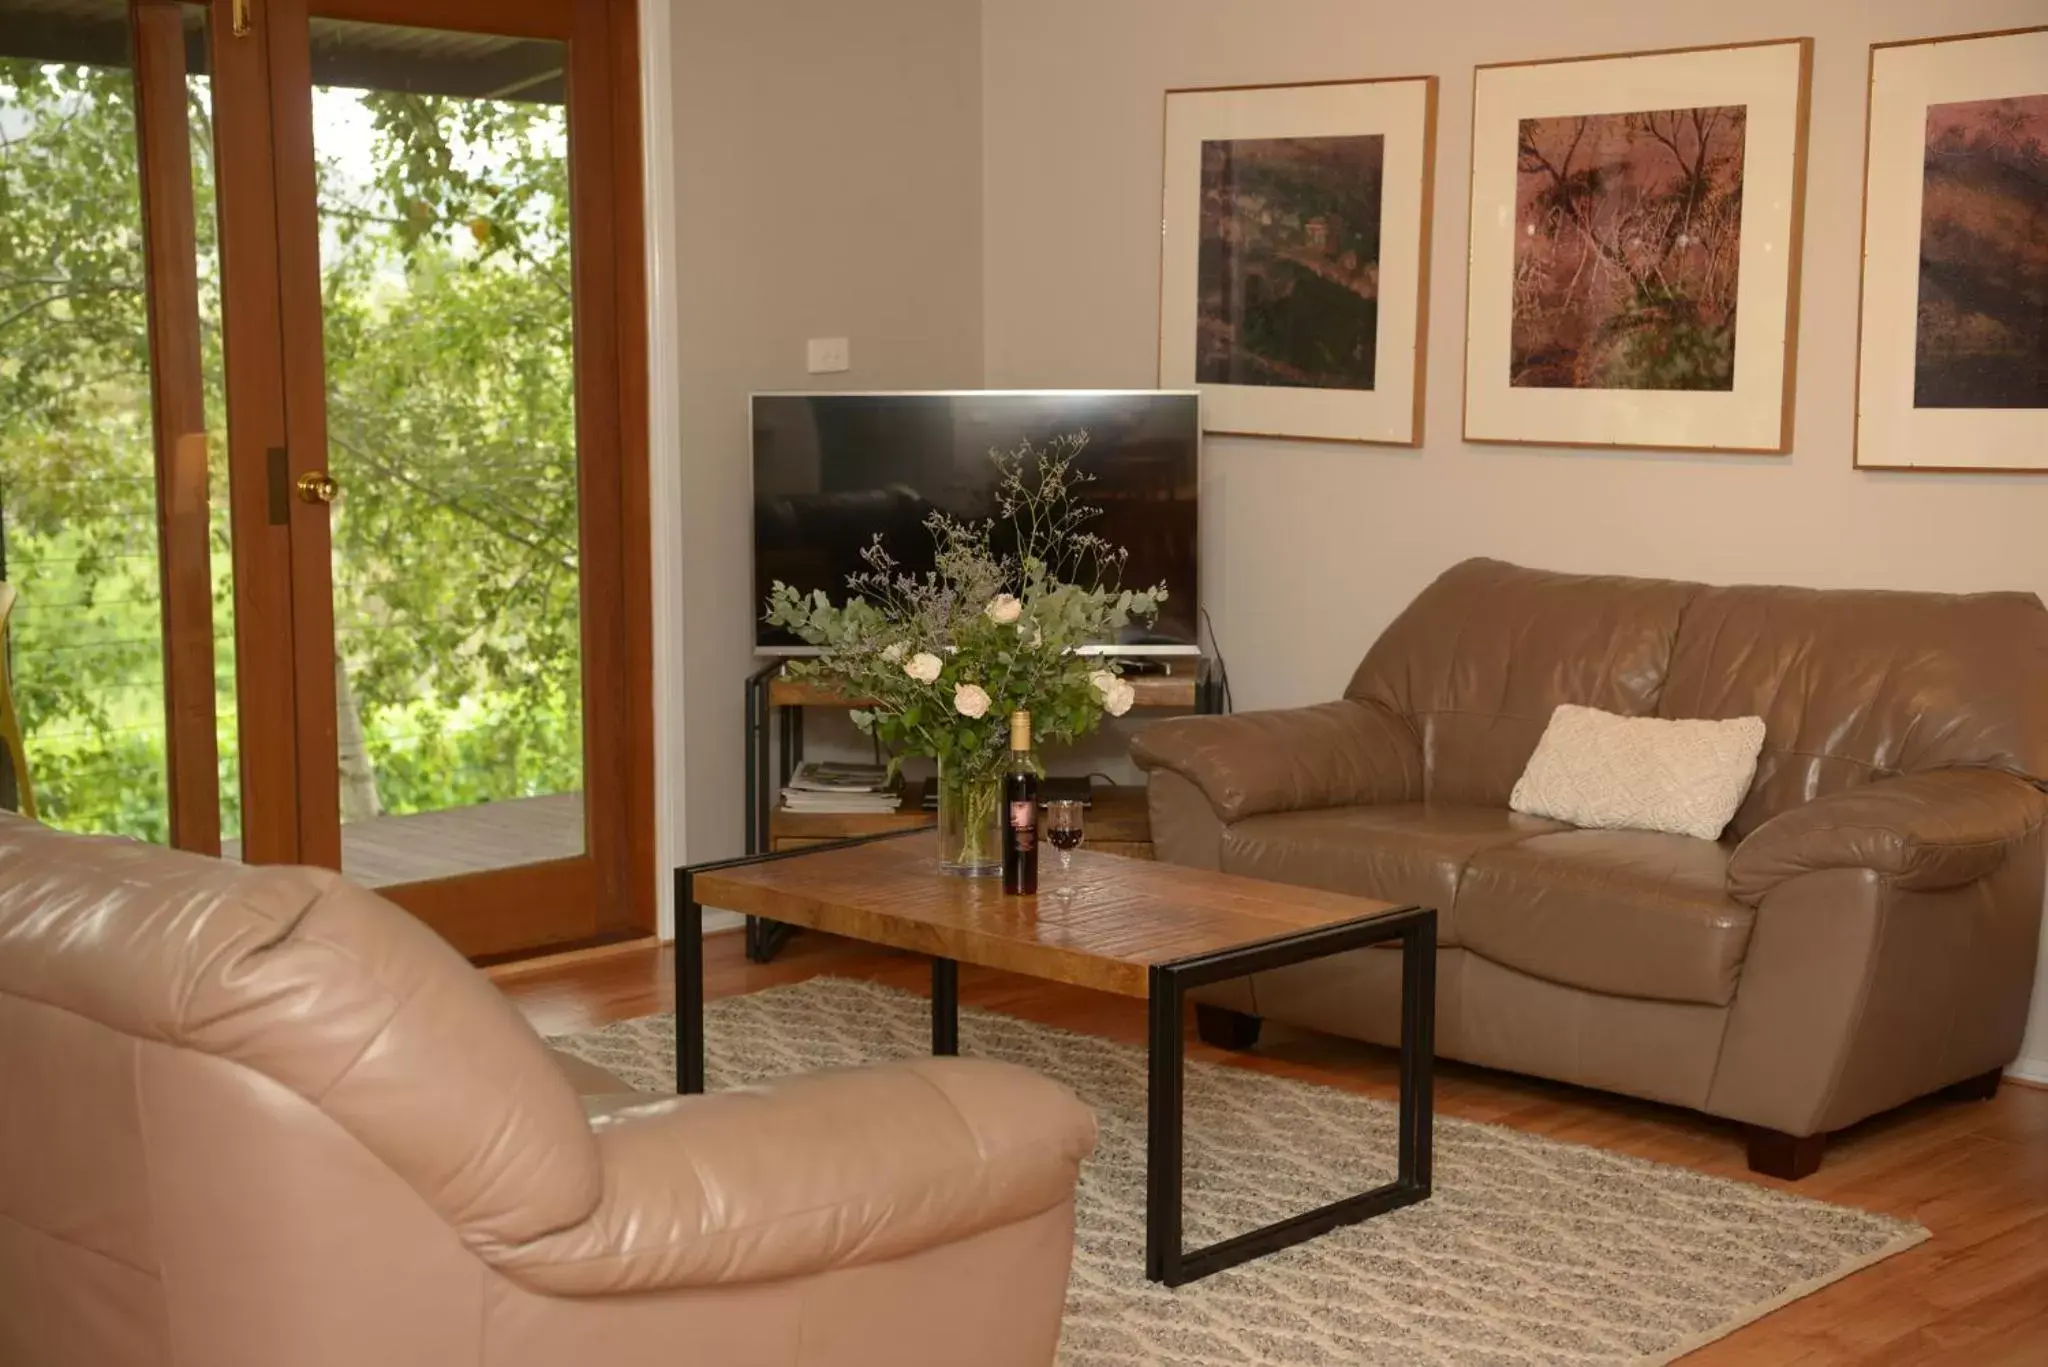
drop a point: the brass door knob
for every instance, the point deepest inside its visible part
(317, 486)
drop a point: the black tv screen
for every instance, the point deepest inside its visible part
(832, 470)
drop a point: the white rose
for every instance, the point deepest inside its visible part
(924, 667)
(1104, 681)
(1119, 699)
(893, 651)
(1004, 609)
(971, 700)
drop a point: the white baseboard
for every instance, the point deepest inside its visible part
(715, 922)
(2034, 1070)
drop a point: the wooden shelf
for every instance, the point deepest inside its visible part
(1117, 820)
(1152, 690)
(1116, 824)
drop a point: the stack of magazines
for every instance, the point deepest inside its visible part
(840, 789)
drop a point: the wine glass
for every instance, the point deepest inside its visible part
(1063, 829)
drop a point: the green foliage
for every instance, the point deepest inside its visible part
(451, 415)
(1003, 622)
(1661, 342)
(77, 470)
(451, 427)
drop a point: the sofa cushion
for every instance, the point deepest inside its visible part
(1404, 852)
(1633, 913)
(1858, 685)
(1612, 773)
(1483, 656)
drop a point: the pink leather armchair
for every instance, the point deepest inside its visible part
(260, 1117)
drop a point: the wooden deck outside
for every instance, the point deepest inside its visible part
(388, 850)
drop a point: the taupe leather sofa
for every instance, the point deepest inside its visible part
(1864, 932)
(261, 1118)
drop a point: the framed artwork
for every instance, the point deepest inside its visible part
(1295, 256)
(1953, 369)
(1634, 270)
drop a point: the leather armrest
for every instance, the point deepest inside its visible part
(1938, 829)
(1339, 754)
(810, 1173)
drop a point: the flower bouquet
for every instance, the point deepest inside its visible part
(946, 656)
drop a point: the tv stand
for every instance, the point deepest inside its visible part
(776, 703)
(1062, 788)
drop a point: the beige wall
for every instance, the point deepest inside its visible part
(827, 184)
(1309, 549)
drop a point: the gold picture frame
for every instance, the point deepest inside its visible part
(1294, 256)
(1636, 223)
(1951, 375)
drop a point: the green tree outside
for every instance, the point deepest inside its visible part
(445, 256)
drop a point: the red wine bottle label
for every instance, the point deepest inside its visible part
(1024, 824)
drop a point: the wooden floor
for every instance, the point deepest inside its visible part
(412, 848)
(1975, 1173)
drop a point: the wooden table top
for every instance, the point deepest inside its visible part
(1103, 926)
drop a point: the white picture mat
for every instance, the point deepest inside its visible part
(1399, 111)
(1890, 431)
(1751, 417)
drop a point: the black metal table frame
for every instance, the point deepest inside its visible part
(1166, 1259)
(765, 938)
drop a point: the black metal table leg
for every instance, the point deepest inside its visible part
(1164, 1148)
(1418, 1060)
(690, 945)
(945, 1006)
(689, 986)
(1165, 1260)
(764, 938)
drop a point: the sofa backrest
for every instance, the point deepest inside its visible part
(1852, 684)
(1856, 685)
(1483, 656)
(120, 950)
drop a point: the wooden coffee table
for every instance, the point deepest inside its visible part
(1129, 926)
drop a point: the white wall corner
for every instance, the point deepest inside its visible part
(664, 448)
(2032, 1064)
(2034, 1070)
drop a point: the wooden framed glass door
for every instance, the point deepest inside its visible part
(117, 408)
(469, 736)
(320, 456)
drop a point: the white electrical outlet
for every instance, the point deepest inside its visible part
(827, 355)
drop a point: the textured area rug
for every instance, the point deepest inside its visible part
(1529, 1252)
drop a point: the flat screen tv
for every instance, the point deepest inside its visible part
(832, 470)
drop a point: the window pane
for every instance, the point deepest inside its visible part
(78, 497)
(443, 182)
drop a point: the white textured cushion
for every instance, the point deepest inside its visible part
(1593, 768)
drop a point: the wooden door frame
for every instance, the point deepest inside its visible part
(503, 910)
(177, 422)
(252, 328)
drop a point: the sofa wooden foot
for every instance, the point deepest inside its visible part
(1224, 1028)
(1982, 1087)
(1786, 1156)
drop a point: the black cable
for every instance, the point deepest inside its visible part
(1222, 669)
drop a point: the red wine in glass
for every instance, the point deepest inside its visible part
(1063, 828)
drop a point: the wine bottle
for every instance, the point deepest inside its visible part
(1020, 811)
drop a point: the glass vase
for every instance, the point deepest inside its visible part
(970, 836)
